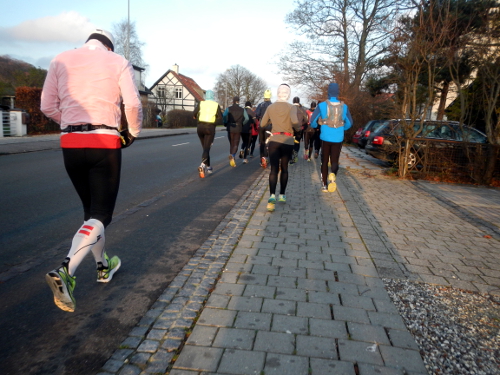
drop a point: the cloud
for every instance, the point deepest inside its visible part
(65, 27)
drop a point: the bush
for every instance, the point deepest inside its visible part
(28, 98)
(179, 118)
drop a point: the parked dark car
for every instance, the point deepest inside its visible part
(362, 134)
(383, 144)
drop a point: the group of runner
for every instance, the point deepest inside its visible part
(280, 127)
(83, 92)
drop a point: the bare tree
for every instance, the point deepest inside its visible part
(239, 81)
(344, 40)
(130, 49)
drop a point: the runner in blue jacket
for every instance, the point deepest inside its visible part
(331, 136)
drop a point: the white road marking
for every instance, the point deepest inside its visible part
(180, 144)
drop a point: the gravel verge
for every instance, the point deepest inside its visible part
(458, 332)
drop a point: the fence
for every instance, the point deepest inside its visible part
(452, 161)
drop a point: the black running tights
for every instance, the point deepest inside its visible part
(279, 155)
(206, 133)
(95, 174)
(330, 152)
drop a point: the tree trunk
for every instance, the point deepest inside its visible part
(442, 100)
(491, 160)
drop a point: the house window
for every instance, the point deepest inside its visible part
(161, 92)
(178, 93)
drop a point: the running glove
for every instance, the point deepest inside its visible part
(126, 138)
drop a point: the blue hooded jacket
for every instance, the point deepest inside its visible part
(329, 134)
(209, 95)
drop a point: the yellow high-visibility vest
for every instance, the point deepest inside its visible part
(208, 111)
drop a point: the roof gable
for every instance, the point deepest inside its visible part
(189, 83)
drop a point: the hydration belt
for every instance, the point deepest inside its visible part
(86, 128)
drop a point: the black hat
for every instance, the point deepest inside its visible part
(248, 104)
(296, 99)
(236, 99)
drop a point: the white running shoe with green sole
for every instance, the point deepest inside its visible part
(62, 285)
(105, 274)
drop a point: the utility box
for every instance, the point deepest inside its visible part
(19, 119)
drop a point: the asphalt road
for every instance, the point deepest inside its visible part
(164, 213)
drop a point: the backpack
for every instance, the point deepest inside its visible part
(335, 113)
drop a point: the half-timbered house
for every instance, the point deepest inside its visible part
(176, 91)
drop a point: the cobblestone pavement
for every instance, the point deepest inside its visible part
(299, 290)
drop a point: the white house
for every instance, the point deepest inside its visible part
(176, 91)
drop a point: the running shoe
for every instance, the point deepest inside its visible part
(251, 155)
(332, 186)
(324, 189)
(272, 199)
(245, 161)
(241, 154)
(210, 170)
(232, 163)
(62, 285)
(202, 170)
(306, 154)
(271, 203)
(105, 274)
(316, 155)
(263, 162)
(282, 198)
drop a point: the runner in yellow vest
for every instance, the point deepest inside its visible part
(207, 112)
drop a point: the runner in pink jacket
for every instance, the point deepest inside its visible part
(83, 92)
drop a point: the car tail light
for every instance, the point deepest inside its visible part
(367, 133)
(378, 140)
(360, 130)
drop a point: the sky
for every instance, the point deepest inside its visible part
(203, 37)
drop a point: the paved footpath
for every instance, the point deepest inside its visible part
(300, 290)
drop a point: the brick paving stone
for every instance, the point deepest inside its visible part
(242, 362)
(386, 320)
(323, 297)
(253, 279)
(199, 358)
(218, 301)
(245, 303)
(350, 314)
(409, 360)
(265, 270)
(290, 324)
(290, 294)
(350, 300)
(277, 364)
(277, 306)
(318, 347)
(281, 281)
(402, 339)
(314, 310)
(328, 328)
(274, 342)
(202, 335)
(216, 317)
(358, 351)
(323, 366)
(312, 285)
(259, 291)
(253, 320)
(292, 272)
(234, 338)
(369, 369)
(368, 333)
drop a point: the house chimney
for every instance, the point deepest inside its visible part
(175, 68)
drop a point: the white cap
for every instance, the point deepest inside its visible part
(101, 35)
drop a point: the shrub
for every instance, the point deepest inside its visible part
(179, 118)
(28, 98)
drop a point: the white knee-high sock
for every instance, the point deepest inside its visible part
(98, 250)
(89, 234)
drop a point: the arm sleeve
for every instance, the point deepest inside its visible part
(349, 121)
(314, 117)
(131, 101)
(224, 116)
(196, 110)
(295, 118)
(245, 115)
(49, 104)
(265, 120)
